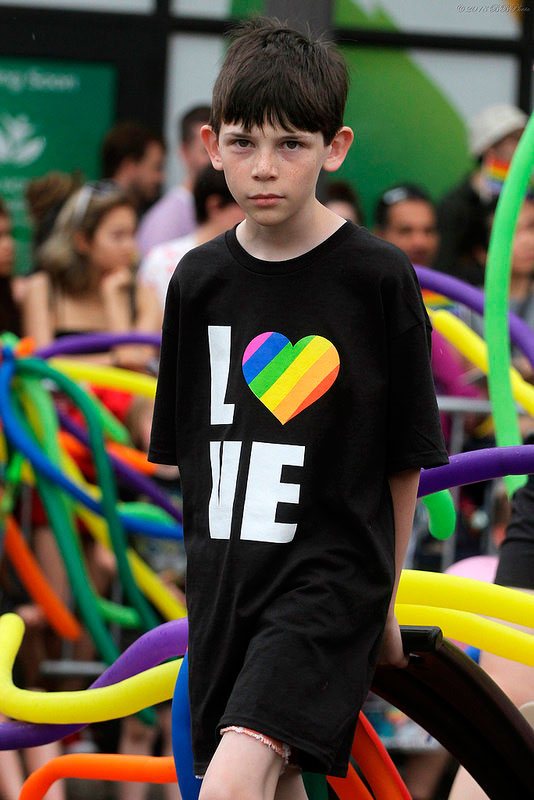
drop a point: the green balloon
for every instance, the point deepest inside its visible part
(106, 479)
(442, 514)
(59, 510)
(315, 785)
(110, 424)
(147, 512)
(496, 298)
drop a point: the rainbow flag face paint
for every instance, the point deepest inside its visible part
(288, 378)
(494, 172)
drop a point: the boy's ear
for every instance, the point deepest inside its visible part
(211, 144)
(339, 147)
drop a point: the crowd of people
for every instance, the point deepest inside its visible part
(104, 253)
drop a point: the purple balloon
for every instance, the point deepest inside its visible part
(453, 288)
(170, 640)
(166, 641)
(95, 343)
(135, 479)
(495, 462)
(478, 465)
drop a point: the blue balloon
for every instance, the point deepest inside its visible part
(473, 653)
(181, 737)
(41, 462)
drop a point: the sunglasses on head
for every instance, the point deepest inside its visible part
(86, 194)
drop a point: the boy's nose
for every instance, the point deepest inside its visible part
(264, 166)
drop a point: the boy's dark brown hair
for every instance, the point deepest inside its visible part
(274, 74)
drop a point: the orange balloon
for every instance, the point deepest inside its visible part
(25, 347)
(351, 787)
(135, 458)
(35, 583)
(375, 763)
(107, 767)
(128, 455)
(149, 769)
(73, 447)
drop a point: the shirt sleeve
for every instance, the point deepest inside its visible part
(162, 449)
(145, 273)
(415, 436)
(169, 218)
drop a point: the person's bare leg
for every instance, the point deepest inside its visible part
(290, 785)
(48, 555)
(11, 775)
(101, 565)
(517, 681)
(137, 739)
(422, 773)
(171, 790)
(242, 768)
(466, 788)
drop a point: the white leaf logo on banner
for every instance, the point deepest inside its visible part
(18, 145)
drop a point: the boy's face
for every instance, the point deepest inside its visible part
(271, 172)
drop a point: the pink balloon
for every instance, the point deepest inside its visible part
(480, 568)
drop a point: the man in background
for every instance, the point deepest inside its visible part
(215, 212)
(493, 137)
(132, 159)
(173, 215)
(405, 215)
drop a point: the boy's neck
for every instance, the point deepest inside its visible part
(295, 237)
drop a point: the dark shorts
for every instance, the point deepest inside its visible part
(302, 690)
(516, 557)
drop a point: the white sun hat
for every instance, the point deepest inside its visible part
(492, 124)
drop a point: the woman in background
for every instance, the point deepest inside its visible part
(87, 281)
(9, 310)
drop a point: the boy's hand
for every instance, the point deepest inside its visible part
(391, 652)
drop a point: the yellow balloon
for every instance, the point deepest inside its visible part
(153, 587)
(95, 705)
(465, 594)
(110, 377)
(471, 629)
(474, 348)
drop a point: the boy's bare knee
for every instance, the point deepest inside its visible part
(290, 785)
(241, 769)
(229, 790)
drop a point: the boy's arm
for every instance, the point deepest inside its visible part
(403, 487)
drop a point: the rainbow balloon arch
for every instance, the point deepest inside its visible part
(41, 446)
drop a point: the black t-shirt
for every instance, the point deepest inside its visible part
(288, 392)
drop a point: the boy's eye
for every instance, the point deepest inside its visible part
(242, 143)
(292, 145)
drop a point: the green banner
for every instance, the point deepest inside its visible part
(53, 116)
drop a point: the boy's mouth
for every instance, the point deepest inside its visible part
(265, 199)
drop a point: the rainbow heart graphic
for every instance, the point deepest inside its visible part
(286, 377)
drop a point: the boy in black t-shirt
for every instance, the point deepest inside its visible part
(296, 396)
